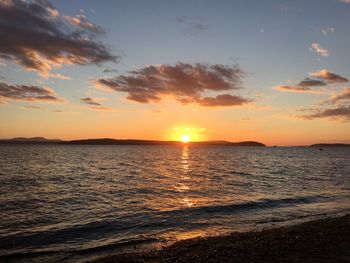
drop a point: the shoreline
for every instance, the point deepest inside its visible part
(323, 240)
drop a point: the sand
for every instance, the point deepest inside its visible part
(326, 240)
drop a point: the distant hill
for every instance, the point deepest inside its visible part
(34, 139)
(31, 140)
(108, 141)
(330, 145)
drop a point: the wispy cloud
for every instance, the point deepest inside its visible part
(28, 93)
(33, 107)
(80, 21)
(296, 89)
(341, 112)
(110, 70)
(186, 83)
(343, 95)
(36, 36)
(337, 107)
(193, 25)
(327, 30)
(90, 101)
(316, 47)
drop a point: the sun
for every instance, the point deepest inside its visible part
(185, 138)
(185, 133)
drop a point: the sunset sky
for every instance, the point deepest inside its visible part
(272, 71)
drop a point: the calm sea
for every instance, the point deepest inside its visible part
(62, 202)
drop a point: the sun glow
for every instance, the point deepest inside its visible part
(185, 133)
(185, 138)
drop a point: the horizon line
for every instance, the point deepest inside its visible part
(170, 141)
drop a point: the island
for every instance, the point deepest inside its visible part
(320, 145)
(110, 141)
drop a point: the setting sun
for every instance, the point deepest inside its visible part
(186, 133)
(185, 138)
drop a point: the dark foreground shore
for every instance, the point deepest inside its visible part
(326, 240)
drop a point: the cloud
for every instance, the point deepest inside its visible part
(109, 70)
(222, 100)
(27, 93)
(319, 50)
(90, 101)
(329, 76)
(338, 107)
(58, 76)
(307, 82)
(186, 83)
(193, 25)
(303, 86)
(324, 77)
(81, 21)
(345, 1)
(341, 112)
(297, 89)
(36, 36)
(101, 108)
(344, 95)
(33, 107)
(94, 105)
(327, 30)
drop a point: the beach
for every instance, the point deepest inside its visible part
(324, 240)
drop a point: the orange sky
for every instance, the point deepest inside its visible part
(232, 71)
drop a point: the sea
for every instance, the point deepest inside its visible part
(73, 202)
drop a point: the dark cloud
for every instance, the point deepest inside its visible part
(34, 35)
(223, 100)
(341, 112)
(324, 77)
(187, 83)
(109, 70)
(307, 82)
(329, 76)
(27, 93)
(300, 89)
(337, 107)
(90, 101)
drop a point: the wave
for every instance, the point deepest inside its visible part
(138, 223)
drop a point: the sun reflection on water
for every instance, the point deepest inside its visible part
(185, 175)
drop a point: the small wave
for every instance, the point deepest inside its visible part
(252, 205)
(109, 229)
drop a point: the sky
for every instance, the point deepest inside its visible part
(271, 71)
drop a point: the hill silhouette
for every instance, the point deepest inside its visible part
(109, 141)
